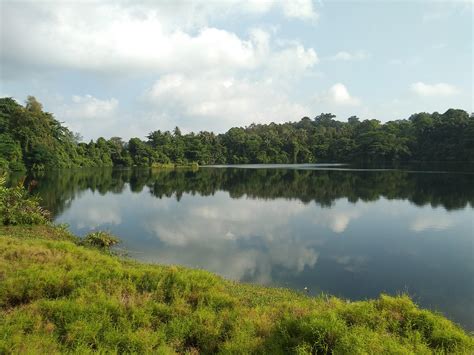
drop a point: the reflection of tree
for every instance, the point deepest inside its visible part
(452, 191)
(323, 187)
(58, 188)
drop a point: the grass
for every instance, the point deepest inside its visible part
(58, 295)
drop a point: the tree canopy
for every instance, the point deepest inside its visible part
(32, 138)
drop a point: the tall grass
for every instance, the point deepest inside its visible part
(57, 295)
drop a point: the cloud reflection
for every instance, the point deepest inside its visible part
(338, 220)
(243, 238)
(433, 222)
(239, 239)
(91, 212)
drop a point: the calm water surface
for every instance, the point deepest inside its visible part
(349, 232)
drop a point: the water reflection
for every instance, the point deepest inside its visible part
(433, 220)
(350, 233)
(449, 190)
(236, 238)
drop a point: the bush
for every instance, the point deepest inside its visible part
(17, 207)
(101, 240)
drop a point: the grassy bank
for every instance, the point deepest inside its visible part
(57, 295)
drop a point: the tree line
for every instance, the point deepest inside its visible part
(34, 139)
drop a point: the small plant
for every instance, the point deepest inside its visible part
(17, 207)
(101, 240)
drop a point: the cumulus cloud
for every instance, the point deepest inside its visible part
(127, 43)
(301, 9)
(205, 77)
(90, 107)
(206, 102)
(434, 90)
(291, 61)
(123, 36)
(197, 12)
(346, 56)
(88, 113)
(338, 95)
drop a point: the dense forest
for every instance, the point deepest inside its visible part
(34, 139)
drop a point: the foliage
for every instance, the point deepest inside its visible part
(101, 240)
(30, 137)
(10, 153)
(18, 207)
(57, 296)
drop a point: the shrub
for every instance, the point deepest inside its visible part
(17, 207)
(101, 240)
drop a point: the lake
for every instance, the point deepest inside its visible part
(334, 229)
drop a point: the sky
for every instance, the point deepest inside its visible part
(126, 68)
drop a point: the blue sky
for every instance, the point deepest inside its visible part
(129, 67)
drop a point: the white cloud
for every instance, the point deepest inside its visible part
(346, 56)
(338, 95)
(89, 107)
(218, 102)
(292, 61)
(434, 90)
(88, 114)
(127, 43)
(207, 77)
(301, 9)
(124, 36)
(201, 11)
(294, 9)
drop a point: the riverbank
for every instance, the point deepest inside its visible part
(172, 166)
(57, 295)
